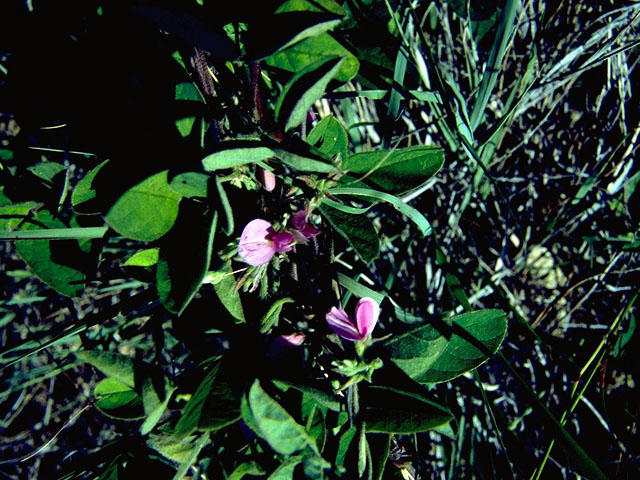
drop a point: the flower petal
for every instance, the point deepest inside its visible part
(303, 229)
(283, 241)
(367, 312)
(340, 323)
(292, 340)
(254, 246)
(267, 179)
(299, 220)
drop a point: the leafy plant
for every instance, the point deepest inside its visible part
(263, 321)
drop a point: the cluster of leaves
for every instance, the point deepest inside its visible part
(185, 116)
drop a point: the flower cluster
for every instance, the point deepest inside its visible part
(259, 241)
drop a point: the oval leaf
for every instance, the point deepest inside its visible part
(234, 157)
(83, 196)
(396, 171)
(212, 406)
(330, 137)
(272, 317)
(184, 256)
(357, 230)
(299, 56)
(114, 365)
(57, 263)
(144, 258)
(416, 350)
(146, 211)
(307, 86)
(475, 337)
(227, 293)
(117, 400)
(190, 184)
(389, 410)
(275, 425)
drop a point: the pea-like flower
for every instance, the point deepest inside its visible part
(367, 312)
(302, 230)
(267, 179)
(259, 242)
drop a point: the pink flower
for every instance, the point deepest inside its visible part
(292, 340)
(283, 345)
(367, 312)
(302, 230)
(259, 242)
(267, 179)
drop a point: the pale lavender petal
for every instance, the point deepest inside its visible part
(267, 179)
(340, 323)
(298, 236)
(283, 241)
(292, 340)
(254, 246)
(367, 312)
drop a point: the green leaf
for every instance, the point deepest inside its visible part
(411, 213)
(330, 137)
(114, 365)
(234, 157)
(299, 56)
(83, 196)
(285, 471)
(55, 233)
(304, 163)
(57, 263)
(144, 258)
(416, 350)
(314, 466)
(146, 211)
(311, 6)
(322, 397)
(314, 416)
(275, 425)
(191, 458)
(225, 207)
(228, 294)
(184, 256)
(389, 410)
(212, 406)
(156, 393)
(379, 444)
(357, 230)
(13, 214)
(117, 400)
(176, 450)
(344, 445)
(358, 289)
(188, 91)
(475, 337)
(246, 468)
(286, 29)
(271, 318)
(396, 171)
(46, 170)
(190, 184)
(150, 386)
(307, 86)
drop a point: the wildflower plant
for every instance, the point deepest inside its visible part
(252, 225)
